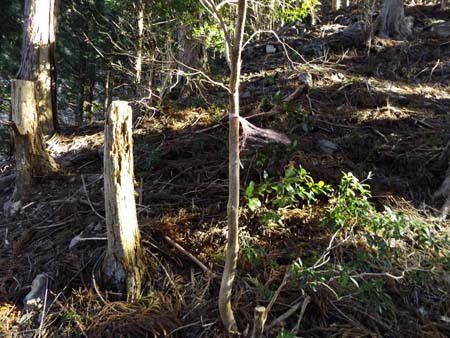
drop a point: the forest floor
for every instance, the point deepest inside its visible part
(353, 268)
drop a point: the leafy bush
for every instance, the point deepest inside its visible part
(295, 12)
(352, 208)
(293, 188)
(367, 247)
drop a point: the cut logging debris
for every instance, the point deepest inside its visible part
(32, 158)
(122, 267)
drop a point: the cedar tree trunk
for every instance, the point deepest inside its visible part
(392, 22)
(32, 158)
(38, 63)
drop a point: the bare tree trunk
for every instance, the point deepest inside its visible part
(122, 267)
(32, 158)
(336, 5)
(37, 51)
(140, 4)
(188, 56)
(232, 250)
(392, 22)
(54, 12)
(83, 64)
(107, 101)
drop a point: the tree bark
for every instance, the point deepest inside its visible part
(32, 158)
(140, 5)
(83, 64)
(38, 64)
(232, 250)
(107, 100)
(336, 5)
(122, 267)
(392, 22)
(189, 51)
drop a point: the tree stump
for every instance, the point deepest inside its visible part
(32, 158)
(122, 267)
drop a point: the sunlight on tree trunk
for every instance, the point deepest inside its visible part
(140, 7)
(336, 5)
(123, 267)
(32, 158)
(38, 64)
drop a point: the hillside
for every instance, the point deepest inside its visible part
(353, 255)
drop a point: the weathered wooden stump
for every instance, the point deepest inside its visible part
(122, 267)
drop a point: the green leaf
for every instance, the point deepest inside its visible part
(250, 189)
(254, 203)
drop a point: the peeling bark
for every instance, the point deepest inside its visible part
(32, 158)
(122, 267)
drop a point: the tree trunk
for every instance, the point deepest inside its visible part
(232, 250)
(32, 158)
(107, 100)
(336, 5)
(189, 51)
(140, 5)
(392, 22)
(83, 63)
(122, 267)
(90, 92)
(54, 12)
(37, 53)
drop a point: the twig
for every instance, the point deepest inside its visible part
(183, 327)
(422, 122)
(262, 316)
(302, 312)
(41, 325)
(191, 256)
(285, 315)
(141, 190)
(287, 99)
(89, 200)
(94, 283)
(175, 289)
(433, 69)
(283, 44)
(381, 134)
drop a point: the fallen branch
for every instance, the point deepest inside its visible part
(188, 254)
